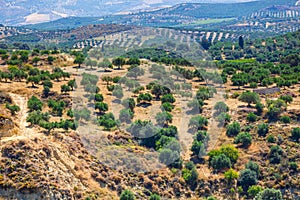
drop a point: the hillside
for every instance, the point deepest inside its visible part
(161, 121)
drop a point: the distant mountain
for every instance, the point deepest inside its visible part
(16, 12)
(186, 13)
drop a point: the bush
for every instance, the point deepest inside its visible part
(285, 119)
(275, 154)
(220, 107)
(129, 103)
(247, 178)
(154, 197)
(168, 98)
(167, 107)
(271, 139)
(198, 123)
(220, 162)
(12, 108)
(195, 105)
(34, 104)
(249, 97)
(286, 98)
(107, 121)
(269, 194)
(293, 166)
(259, 108)
(126, 115)
(231, 175)
(253, 166)
(223, 118)
(127, 195)
(251, 117)
(254, 190)
(233, 129)
(295, 134)
(244, 138)
(190, 174)
(263, 129)
(163, 118)
(200, 143)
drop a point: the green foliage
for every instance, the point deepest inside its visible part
(144, 98)
(254, 190)
(79, 59)
(247, 178)
(57, 107)
(271, 139)
(223, 118)
(268, 194)
(200, 143)
(286, 98)
(89, 79)
(259, 108)
(233, 129)
(231, 175)
(12, 108)
(101, 106)
(196, 105)
(275, 107)
(119, 62)
(83, 113)
(168, 107)
(34, 104)
(107, 121)
(223, 158)
(263, 129)
(126, 115)
(198, 123)
(220, 162)
(251, 117)
(190, 174)
(154, 197)
(296, 134)
(118, 93)
(275, 154)
(72, 84)
(254, 167)
(127, 195)
(35, 117)
(163, 118)
(285, 119)
(65, 88)
(249, 97)
(293, 166)
(244, 138)
(129, 103)
(220, 107)
(168, 98)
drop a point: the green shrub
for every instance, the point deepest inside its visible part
(295, 134)
(127, 195)
(271, 139)
(293, 166)
(268, 194)
(247, 178)
(244, 138)
(254, 190)
(154, 197)
(275, 154)
(251, 117)
(263, 129)
(285, 119)
(233, 129)
(190, 174)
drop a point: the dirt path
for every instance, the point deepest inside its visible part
(24, 131)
